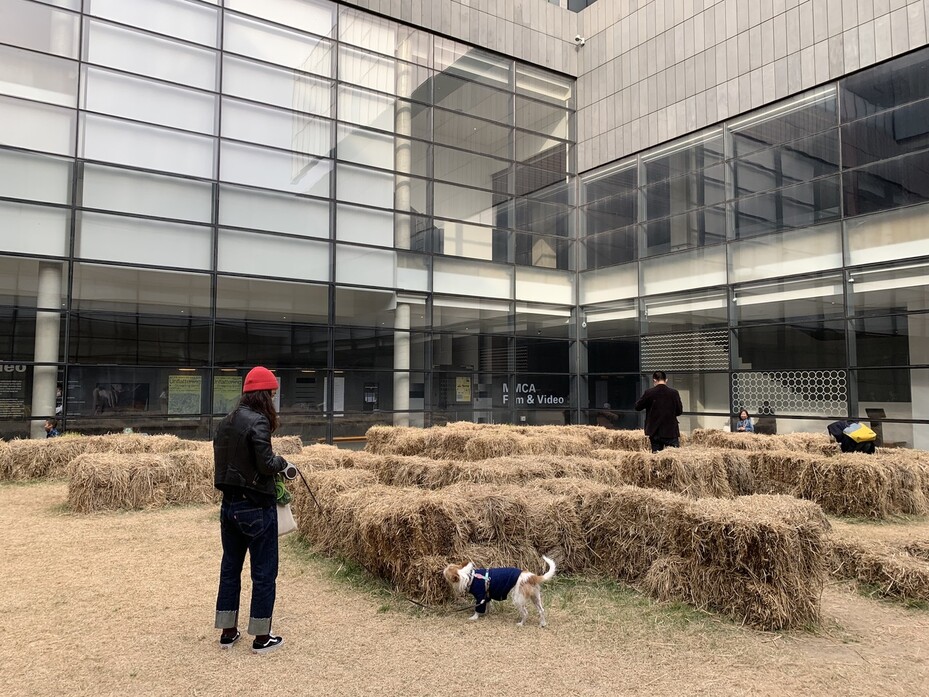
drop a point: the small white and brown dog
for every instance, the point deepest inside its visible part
(497, 583)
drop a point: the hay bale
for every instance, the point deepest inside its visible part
(814, 443)
(119, 481)
(854, 485)
(778, 471)
(628, 440)
(29, 459)
(892, 572)
(286, 445)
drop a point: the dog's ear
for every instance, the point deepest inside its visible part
(451, 573)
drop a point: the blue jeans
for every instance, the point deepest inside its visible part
(247, 527)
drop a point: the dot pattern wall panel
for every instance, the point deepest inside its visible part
(706, 350)
(792, 391)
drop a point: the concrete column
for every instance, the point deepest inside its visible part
(47, 330)
(402, 365)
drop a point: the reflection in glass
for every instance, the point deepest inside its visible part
(888, 184)
(275, 300)
(890, 289)
(819, 297)
(139, 291)
(698, 310)
(797, 345)
(797, 206)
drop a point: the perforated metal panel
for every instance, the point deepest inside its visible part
(792, 391)
(706, 350)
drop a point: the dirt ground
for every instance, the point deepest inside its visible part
(122, 604)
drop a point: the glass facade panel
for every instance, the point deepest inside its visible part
(900, 81)
(900, 234)
(274, 169)
(138, 241)
(36, 126)
(316, 16)
(677, 272)
(365, 226)
(903, 288)
(280, 344)
(471, 134)
(113, 289)
(610, 320)
(275, 44)
(797, 299)
(144, 54)
(365, 266)
(40, 28)
(544, 285)
(801, 345)
(358, 185)
(255, 209)
(267, 300)
(365, 147)
(185, 20)
(276, 86)
(34, 177)
(121, 142)
(277, 128)
(118, 339)
(38, 77)
(459, 276)
(19, 283)
(887, 184)
(271, 255)
(31, 229)
(786, 253)
(127, 191)
(795, 206)
(675, 313)
(471, 315)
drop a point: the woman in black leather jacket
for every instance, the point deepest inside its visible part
(245, 466)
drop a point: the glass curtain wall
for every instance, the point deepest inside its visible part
(776, 263)
(190, 188)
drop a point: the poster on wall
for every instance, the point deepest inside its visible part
(184, 394)
(462, 389)
(13, 391)
(226, 392)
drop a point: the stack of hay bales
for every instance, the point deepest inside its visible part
(759, 560)
(467, 441)
(36, 459)
(117, 474)
(819, 443)
(119, 481)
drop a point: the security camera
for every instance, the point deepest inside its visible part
(580, 40)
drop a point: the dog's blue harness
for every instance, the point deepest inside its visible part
(497, 584)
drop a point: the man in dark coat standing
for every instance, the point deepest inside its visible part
(662, 405)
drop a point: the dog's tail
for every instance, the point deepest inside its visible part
(551, 568)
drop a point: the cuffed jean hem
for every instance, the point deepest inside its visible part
(226, 619)
(259, 626)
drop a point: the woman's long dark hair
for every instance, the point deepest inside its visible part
(261, 401)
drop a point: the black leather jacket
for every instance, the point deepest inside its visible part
(242, 453)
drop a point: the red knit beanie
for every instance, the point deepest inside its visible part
(259, 378)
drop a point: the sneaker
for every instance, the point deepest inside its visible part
(226, 642)
(268, 645)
